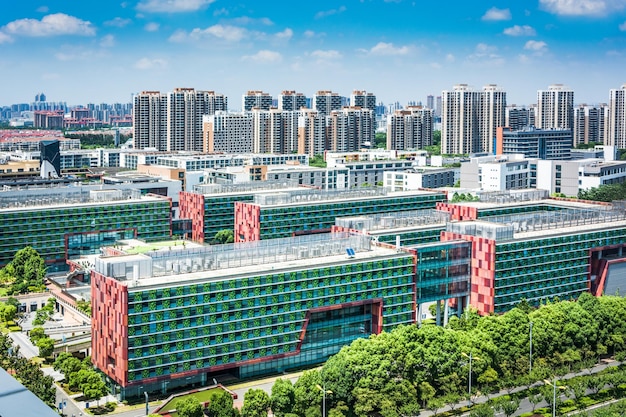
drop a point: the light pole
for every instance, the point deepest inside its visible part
(553, 383)
(146, 394)
(530, 366)
(469, 379)
(324, 392)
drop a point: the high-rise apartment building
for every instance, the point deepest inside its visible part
(363, 99)
(327, 101)
(616, 122)
(411, 128)
(291, 101)
(257, 99)
(470, 118)
(350, 129)
(274, 131)
(311, 132)
(518, 118)
(227, 132)
(555, 107)
(589, 124)
(173, 121)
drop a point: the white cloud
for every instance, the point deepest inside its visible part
(223, 32)
(518, 30)
(523, 58)
(50, 25)
(107, 41)
(118, 22)
(450, 58)
(264, 56)
(326, 55)
(147, 63)
(309, 34)
(43, 9)
(172, 6)
(622, 27)
(495, 14)
(245, 20)
(384, 48)
(325, 13)
(285, 34)
(485, 54)
(151, 27)
(591, 8)
(220, 12)
(538, 47)
(4, 38)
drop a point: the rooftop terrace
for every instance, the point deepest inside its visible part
(388, 221)
(36, 197)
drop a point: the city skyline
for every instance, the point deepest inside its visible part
(397, 49)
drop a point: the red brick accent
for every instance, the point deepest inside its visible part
(191, 206)
(247, 222)
(109, 327)
(457, 211)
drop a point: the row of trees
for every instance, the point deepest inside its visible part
(605, 192)
(400, 372)
(25, 273)
(27, 373)
(81, 376)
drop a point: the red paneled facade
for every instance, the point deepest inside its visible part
(191, 206)
(458, 212)
(247, 222)
(483, 270)
(109, 327)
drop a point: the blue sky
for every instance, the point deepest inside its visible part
(400, 50)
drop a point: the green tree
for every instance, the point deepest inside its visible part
(36, 333)
(46, 347)
(189, 407)
(507, 405)
(220, 405)
(8, 312)
(282, 399)
(381, 140)
(306, 393)
(224, 236)
(68, 364)
(317, 161)
(92, 385)
(482, 410)
(256, 403)
(28, 270)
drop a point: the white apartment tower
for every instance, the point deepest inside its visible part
(616, 123)
(555, 108)
(363, 99)
(186, 107)
(590, 124)
(274, 131)
(411, 128)
(291, 101)
(257, 99)
(326, 101)
(311, 132)
(350, 129)
(469, 119)
(150, 120)
(227, 132)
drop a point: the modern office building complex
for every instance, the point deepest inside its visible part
(535, 143)
(175, 318)
(304, 211)
(64, 223)
(469, 119)
(410, 129)
(555, 108)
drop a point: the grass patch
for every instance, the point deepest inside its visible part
(201, 396)
(154, 246)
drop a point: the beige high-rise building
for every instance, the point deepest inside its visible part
(256, 98)
(228, 132)
(312, 132)
(410, 128)
(350, 129)
(469, 119)
(616, 121)
(291, 101)
(555, 108)
(363, 99)
(274, 131)
(590, 124)
(150, 120)
(173, 121)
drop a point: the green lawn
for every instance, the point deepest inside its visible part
(154, 246)
(201, 396)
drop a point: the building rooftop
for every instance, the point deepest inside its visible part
(17, 400)
(245, 188)
(167, 267)
(389, 222)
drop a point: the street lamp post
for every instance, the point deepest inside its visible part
(530, 363)
(553, 383)
(146, 394)
(324, 392)
(469, 380)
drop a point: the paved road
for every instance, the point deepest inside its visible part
(27, 349)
